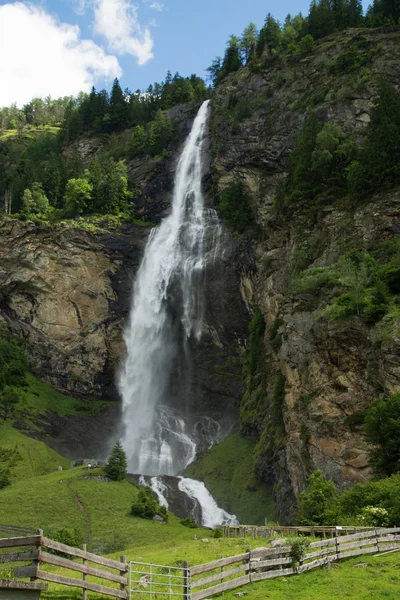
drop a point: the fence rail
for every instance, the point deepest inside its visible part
(46, 551)
(269, 563)
(263, 531)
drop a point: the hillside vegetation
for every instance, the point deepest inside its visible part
(227, 469)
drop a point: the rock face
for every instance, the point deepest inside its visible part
(331, 370)
(67, 291)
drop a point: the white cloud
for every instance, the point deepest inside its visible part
(159, 6)
(39, 56)
(79, 6)
(117, 21)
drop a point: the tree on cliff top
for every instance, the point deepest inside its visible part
(116, 467)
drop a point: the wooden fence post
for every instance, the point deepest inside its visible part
(337, 546)
(84, 593)
(36, 562)
(122, 586)
(377, 540)
(185, 581)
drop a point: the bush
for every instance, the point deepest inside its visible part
(189, 522)
(234, 205)
(383, 430)
(147, 507)
(383, 493)
(116, 467)
(319, 502)
(217, 533)
(69, 537)
(298, 547)
(306, 44)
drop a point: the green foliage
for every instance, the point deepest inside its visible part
(217, 533)
(234, 205)
(306, 45)
(319, 162)
(78, 196)
(69, 537)
(34, 200)
(376, 168)
(318, 503)
(383, 493)
(374, 516)
(383, 430)
(116, 467)
(188, 522)
(154, 138)
(298, 546)
(13, 367)
(146, 506)
(228, 470)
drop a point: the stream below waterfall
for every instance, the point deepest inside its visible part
(163, 429)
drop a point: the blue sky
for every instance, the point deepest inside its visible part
(58, 47)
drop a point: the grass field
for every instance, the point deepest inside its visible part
(82, 500)
(227, 469)
(26, 457)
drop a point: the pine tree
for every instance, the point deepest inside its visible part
(269, 37)
(232, 61)
(248, 42)
(321, 19)
(119, 108)
(116, 467)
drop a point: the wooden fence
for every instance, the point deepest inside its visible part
(38, 549)
(268, 563)
(261, 531)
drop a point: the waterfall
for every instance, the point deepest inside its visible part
(211, 514)
(167, 312)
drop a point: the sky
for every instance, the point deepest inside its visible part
(62, 47)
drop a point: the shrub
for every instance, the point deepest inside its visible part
(298, 546)
(234, 205)
(306, 44)
(374, 516)
(116, 467)
(383, 493)
(189, 522)
(147, 507)
(383, 430)
(217, 533)
(318, 503)
(69, 537)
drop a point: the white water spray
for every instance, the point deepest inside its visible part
(167, 310)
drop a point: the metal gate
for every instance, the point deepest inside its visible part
(149, 581)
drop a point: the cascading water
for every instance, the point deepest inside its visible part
(167, 311)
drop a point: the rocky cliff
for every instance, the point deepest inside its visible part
(330, 371)
(67, 288)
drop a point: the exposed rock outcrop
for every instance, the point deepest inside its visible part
(332, 370)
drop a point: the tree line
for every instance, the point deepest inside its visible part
(297, 33)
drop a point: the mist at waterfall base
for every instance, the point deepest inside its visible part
(163, 430)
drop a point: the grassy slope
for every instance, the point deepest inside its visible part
(40, 399)
(31, 457)
(228, 472)
(101, 509)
